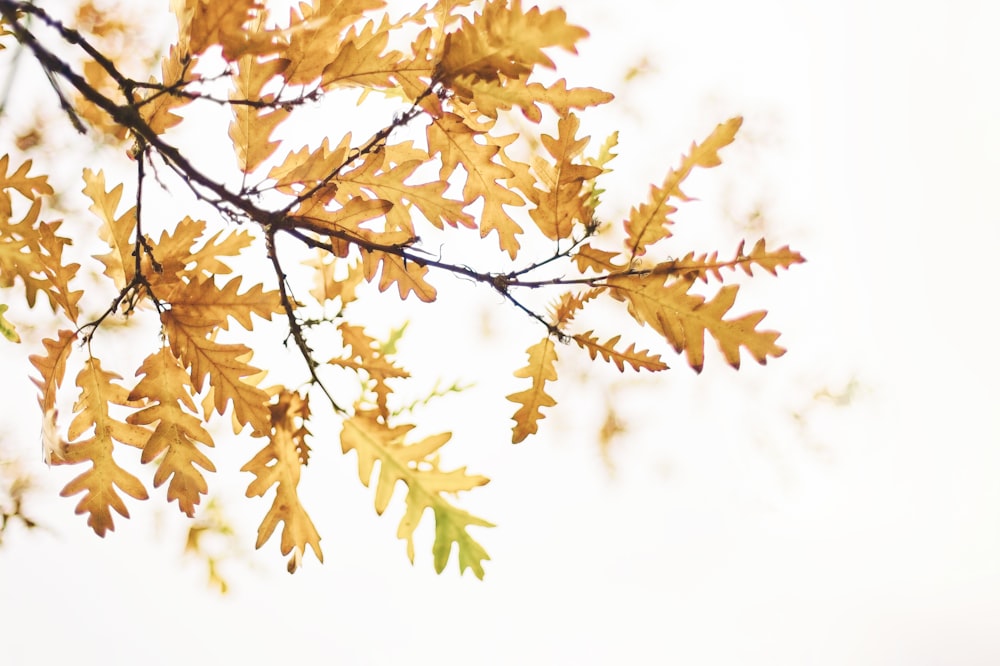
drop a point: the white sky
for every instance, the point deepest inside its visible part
(865, 534)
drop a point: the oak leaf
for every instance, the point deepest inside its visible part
(165, 391)
(280, 464)
(119, 262)
(226, 369)
(637, 358)
(416, 465)
(97, 392)
(684, 318)
(649, 223)
(541, 368)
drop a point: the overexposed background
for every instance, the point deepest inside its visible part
(839, 506)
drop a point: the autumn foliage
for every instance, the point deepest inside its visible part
(461, 72)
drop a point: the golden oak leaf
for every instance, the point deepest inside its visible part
(637, 358)
(226, 368)
(367, 355)
(52, 367)
(408, 275)
(119, 262)
(649, 223)
(58, 273)
(490, 97)
(280, 464)
(30, 187)
(165, 390)
(315, 35)
(683, 319)
(97, 393)
(541, 368)
(770, 261)
(564, 202)
(306, 169)
(21, 254)
(361, 59)
(178, 259)
(202, 305)
(456, 142)
(564, 310)
(586, 257)
(252, 127)
(504, 40)
(328, 286)
(416, 465)
(705, 265)
(204, 23)
(388, 184)
(349, 218)
(562, 99)
(98, 78)
(157, 109)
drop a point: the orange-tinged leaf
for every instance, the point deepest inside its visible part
(226, 369)
(251, 127)
(588, 257)
(362, 60)
(637, 358)
(280, 464)
(683, 319)
(119, 262)
(705, 265)
(407, 275)
(202, 305)
(564, 202)
(356, 212)
(367, 355)
(165, 390)
(456, 142)
(374, 175)
(564, 310)
(416, 465)
(649, 223)
(97, 392)
(52, 367)
(541, 368)
(30, 187)
(328, 286)
(157, 109)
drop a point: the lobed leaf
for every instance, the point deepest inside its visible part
(540, 369)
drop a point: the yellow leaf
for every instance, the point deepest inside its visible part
(456, 142)
(201, 305)
(252, 126)
(416, 465)
(116, 232)
(280, 464)
(408, 276)
(649, 223)
(165, 390)
(226, 368)
(97, 392)
(52, 367)
(704, 265)
(683, 319)
(157, 109)
(349, 218)
(638, 359)
(541, 368)
(367, 355)
(563, 203)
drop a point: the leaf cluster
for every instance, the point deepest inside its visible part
(360, 207)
